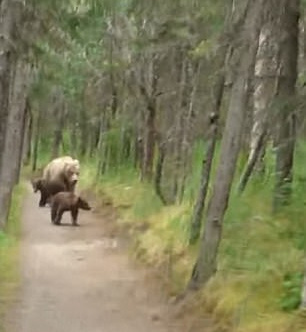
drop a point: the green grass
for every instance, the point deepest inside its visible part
(9, 252)
(257, 287)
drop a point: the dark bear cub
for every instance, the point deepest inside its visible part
(67, 201)
(47, 189)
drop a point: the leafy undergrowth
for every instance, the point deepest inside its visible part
(9, 252)
(257, 287)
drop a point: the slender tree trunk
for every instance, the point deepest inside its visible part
(150, 118)
(23, 138)
(13, 139)
(286, 133)
(73, 137)
(218, 90)
(36, 140)
(188, 125)
(198, 209)
(150, 141)
(10, 14)
(58, 131)
(256, 154)
(159, 173)
(27, 140)
(206, 263)
(138, 152)
(101, 144)
(181, 107)
(84, 131)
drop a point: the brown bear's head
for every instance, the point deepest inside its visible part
(72, 171)
(83, 204)
(37, 184)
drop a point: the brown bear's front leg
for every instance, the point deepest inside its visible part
(74, 216)
(54, 208)
(43, 198)
(58, 217)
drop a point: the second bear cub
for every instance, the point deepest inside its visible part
(47, 189)
(67, 201)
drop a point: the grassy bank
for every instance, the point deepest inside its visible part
(9, 252)
(257, 287)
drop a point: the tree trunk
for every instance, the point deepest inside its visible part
(264, 90)
(188, 126)
(149, 150)
(13, 139)
(206, 263)
(58, 131)
(10, 14)
(256, 154)
(178, 139)
(73, 137)
(22, 139)
(198, 209)
(27, 140)
(101, 144)
(149, 95)
(138, 157)
(36, 139)
(286, 133)
(84, 131)
(218, 90)
(159, 173)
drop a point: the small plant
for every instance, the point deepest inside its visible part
(291, 297)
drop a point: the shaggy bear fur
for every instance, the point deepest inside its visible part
(64, 169)
(47, 189)
(67, 201)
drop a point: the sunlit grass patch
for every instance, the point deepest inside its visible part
(9, 252)
(260, 262)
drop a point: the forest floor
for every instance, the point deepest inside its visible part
(82, 279)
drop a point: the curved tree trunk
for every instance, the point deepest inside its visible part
(206, 263)
(218, 90)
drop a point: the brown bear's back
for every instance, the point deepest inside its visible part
(65, 199)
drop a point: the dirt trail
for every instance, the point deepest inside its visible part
(76, 279)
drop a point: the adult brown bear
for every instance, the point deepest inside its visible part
(63, 169)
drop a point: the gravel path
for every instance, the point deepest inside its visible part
(76, 279)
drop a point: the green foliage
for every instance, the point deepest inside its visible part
(96, 47)
(259, 253)
(291, 296)
(9, 252)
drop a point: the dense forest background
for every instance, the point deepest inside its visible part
(190, 116)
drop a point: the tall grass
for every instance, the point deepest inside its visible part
(9, 252)
(260, 263)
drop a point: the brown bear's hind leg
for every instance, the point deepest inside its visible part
(59, 217)
(74, 216)
(43, 198)
(53, 212)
